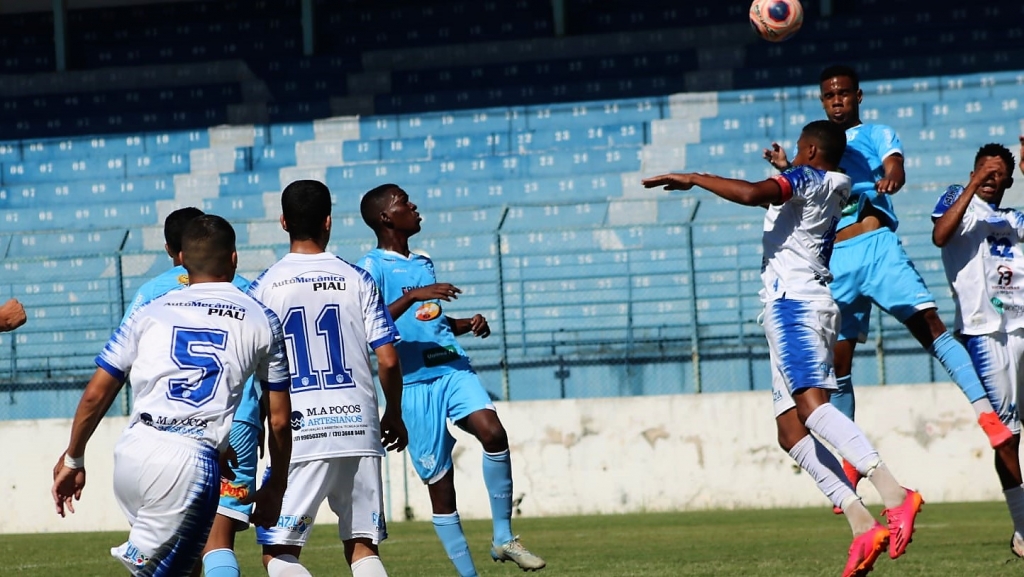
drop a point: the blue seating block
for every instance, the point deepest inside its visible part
(249, 183)
(158, 164)
(57, 244)
(361, 150)
(290, 132)
(274, 155)
(181, 141)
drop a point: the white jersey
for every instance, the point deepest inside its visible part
(189, 353)
(800, 232)
(330, 312)
(985, 266)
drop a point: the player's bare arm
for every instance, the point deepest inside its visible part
(738, 191)
(946, 225)
(776, 156)
(389, 369)
(477, 325)
(279, 444)
(895, 176)
(12, 315)
(68, 481)
(437, 291)
(1021, 155)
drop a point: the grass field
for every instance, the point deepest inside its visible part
(951, 539)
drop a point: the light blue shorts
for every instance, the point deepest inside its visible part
(874, 268)
(426, 409)
(245, 440)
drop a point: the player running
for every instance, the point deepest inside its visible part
(981, 252)
(331, 311)
(869, 263)
(801, 319)
(189, 353)
(439, 381)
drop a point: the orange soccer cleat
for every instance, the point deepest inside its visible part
(997, 432)
(901, 522)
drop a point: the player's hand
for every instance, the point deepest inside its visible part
(986, 172)
(267, 500)
(392, 431)
(674, 181)
(12, 315)
(1021, 155)
(478, 324)
(67, 487)
(886, 186)
(440, 290)
(228, 463)
(776, 155)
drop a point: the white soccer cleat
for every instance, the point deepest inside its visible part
(1017, 544)
(515, 552)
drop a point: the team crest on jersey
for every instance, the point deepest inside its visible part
(428, 461)
(183, 279)
(428, 311)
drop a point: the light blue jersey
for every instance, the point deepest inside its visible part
(428, 348)
(174, 279)
(867, 145)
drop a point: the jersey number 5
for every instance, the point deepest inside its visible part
(328, 328)
(196, 349)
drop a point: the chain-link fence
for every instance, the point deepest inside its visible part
(585, 299)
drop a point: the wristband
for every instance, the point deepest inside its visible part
(73, 462)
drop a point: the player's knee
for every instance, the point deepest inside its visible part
(493, 437)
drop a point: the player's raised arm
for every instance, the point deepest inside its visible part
(12, 315)
(69, 474)
(946, 225)
(738, 191)
(1021, 155)
(776, 156)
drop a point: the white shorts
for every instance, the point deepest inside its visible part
(801, 334)
(997, 358)
(353, 489)
(168, 487)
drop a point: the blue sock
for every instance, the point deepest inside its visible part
(498, 479)
(449, 529)
(957, 362)
(220, 563)
(842, 398)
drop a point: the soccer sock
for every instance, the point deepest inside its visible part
(286, 566)
(957, 362)
(498, 479)
(893, 494)
(449, 529)
(369, 567)
(823, 467)
(220, 563)
(857, 515)
(1015, 502)
(842, 398)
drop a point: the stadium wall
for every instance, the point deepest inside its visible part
(593, 456)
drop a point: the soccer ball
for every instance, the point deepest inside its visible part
(776, 20)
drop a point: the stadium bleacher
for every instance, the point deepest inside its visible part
(526, 168)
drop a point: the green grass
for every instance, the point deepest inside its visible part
(951, 540)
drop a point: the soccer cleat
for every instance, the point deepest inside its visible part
(515, 552)
(852, 475)
(1017, 544)
(865, 550)
(997, 432)
(901, 522)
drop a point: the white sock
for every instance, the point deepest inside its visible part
(839, 431)
(858, 516)
(823, 467)
(1015, 502)
(286, 566)
(982, 405)
(369, 567)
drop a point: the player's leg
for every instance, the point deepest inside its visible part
(470, 407)
(218, 559)
(430, 450)
(899, 289)
(174, 482)
(283, 543)
(357, 497)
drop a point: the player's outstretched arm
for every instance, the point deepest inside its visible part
(946, 225)
(476, 325)
(12, 315)
(279, 444)
(389, 369)
(895, 175)
(437, 291)
(1021, 155)
(69, 473)
(776, 156)
(738, 191)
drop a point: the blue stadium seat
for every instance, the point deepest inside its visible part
(58, 244)
(157, 164)
(555, 216)
(180, 141)
(272, 156)
(247, 184)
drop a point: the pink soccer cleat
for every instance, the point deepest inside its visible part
(901, 522)
(865, 549)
